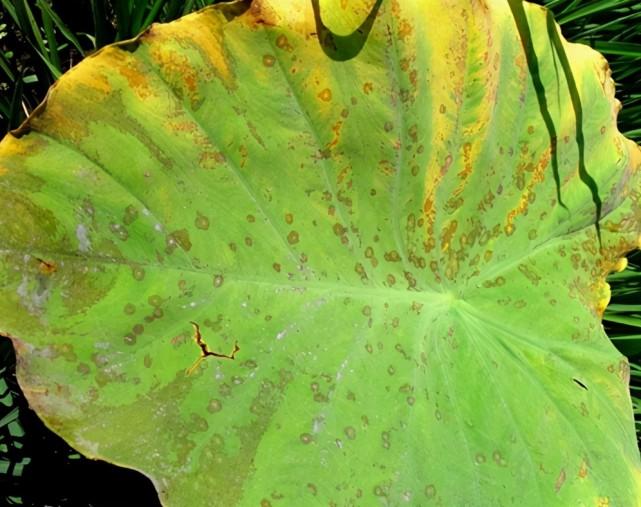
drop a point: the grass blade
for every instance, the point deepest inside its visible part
(137, 14)
(153, 13)
(28, 25)
(629, 49)
(593, 8)
(8, 6)
(100, 23)
(122, 10)
(5, 66)
(52, 43)
(64, 29)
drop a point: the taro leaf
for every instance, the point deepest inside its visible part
(418, 315)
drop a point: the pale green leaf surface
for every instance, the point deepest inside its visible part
(417, 315)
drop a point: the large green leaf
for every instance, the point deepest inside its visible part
(374, 221)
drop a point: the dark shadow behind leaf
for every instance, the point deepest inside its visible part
(343, 47)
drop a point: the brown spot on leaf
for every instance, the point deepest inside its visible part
(306, 438)
(201, 222)
(154, 300)
(292, 237)
(392, 256)
(583, 470)
(498, 458)
(131, 214)
(138, 273)
(325, 95)
(283, 43)
(46, 267)
(446, 164)
(179, 238)
(560, 480)
(361, 271)
(380, 491)
(214, 406)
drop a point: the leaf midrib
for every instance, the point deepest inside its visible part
(380, 292)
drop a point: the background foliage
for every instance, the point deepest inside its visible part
(41, 39)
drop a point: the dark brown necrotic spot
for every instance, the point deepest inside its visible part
(292, 237)
(179, 238)
(268, 60)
